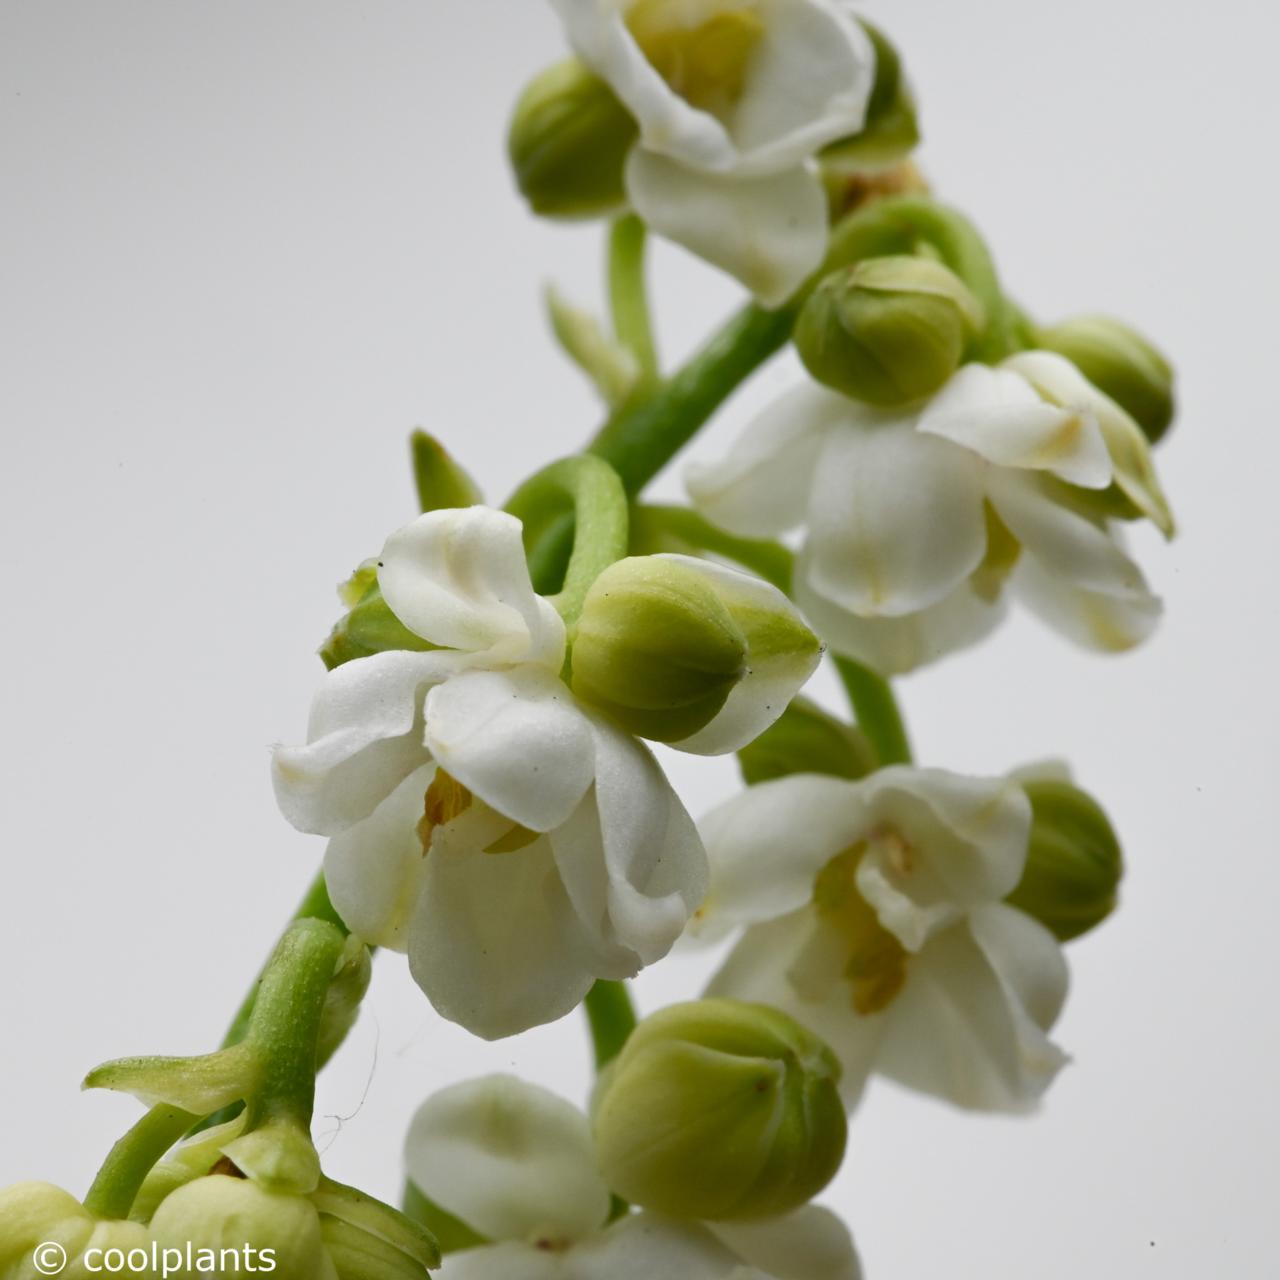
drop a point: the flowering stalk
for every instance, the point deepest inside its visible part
(877, 711)
(611, 1017)
(628, 296)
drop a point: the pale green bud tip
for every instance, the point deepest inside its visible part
(1074, 861)
(719, 1110)
(1121, 362)
(568, 143)
(889, 330)
(657, 648)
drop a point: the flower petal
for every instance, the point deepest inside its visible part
(938, 843)
(809, 1244)
(894, 646)
(896, 518)
(1002, 418)
(511, 1160)
(767, 844)
(969, 1025)
(459, 579)
(361, 742)
(1111, 623)
(630, 858)
(644, 1246)
(515, 738)
(782, 653)
(762, 487)
(811, 79)
(507, 1261)
(495, 943)
(1059, 380)
(769, 232)
(374, 870)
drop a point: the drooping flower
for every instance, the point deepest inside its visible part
(515, 1164)
(916, 520)
(466, 787)
(874, 915)
(732, 98)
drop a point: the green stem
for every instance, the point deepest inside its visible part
(628, 295)
(612, 1018)
(285, 1023)
(877, 711)
(132, 1158)
(646, 434)
(598, 524)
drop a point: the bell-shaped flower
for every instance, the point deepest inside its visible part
(516, 1166)
(513, 841)
(733, 99)
(875, 915)
(916, 520)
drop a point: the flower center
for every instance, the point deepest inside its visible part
(446, 801)
(702, 50)
(876, 967)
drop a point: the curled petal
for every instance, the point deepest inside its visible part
(511, 1160)
(630, 857)
(767, 844)
(896, 519)
(1002, 418)
(517, 739)
(374, 870)
(970, 1024)
(495, 943)
(769, 232)
(762, 487)
(458, 578)
(361, 742)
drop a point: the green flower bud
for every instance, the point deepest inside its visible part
(46, 1231)
(720, 1110)
(889, 330)
(221, 1212)
(657, 648)
(1074, 862)
(805, 739)
(568, 143)
(369, 1240)
(1121, 362)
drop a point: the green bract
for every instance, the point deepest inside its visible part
(1074, 861)
(1121, 362)
(657, 648)
(568, 142)
(888, 331)
(720, 1110)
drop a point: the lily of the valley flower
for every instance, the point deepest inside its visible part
(515, 843)
(875, 916)
(516, 1165)
(733, 98)
(916, 519)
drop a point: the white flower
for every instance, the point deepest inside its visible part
(874, 916)
(515, 843)
(515, 1164)
(733, 99)
(915, 519)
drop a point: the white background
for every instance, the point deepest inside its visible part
(247, 246)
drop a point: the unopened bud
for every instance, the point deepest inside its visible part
(1122, 363)
(889, 330)
(568, 143)
(720, 1110)
(46, 1231)
(1074, 862)
(657, 648)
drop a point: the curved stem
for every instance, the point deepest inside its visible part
(612, 1018)
(628, 295)
(126, 1167)
(597, 523)
(877, 711)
